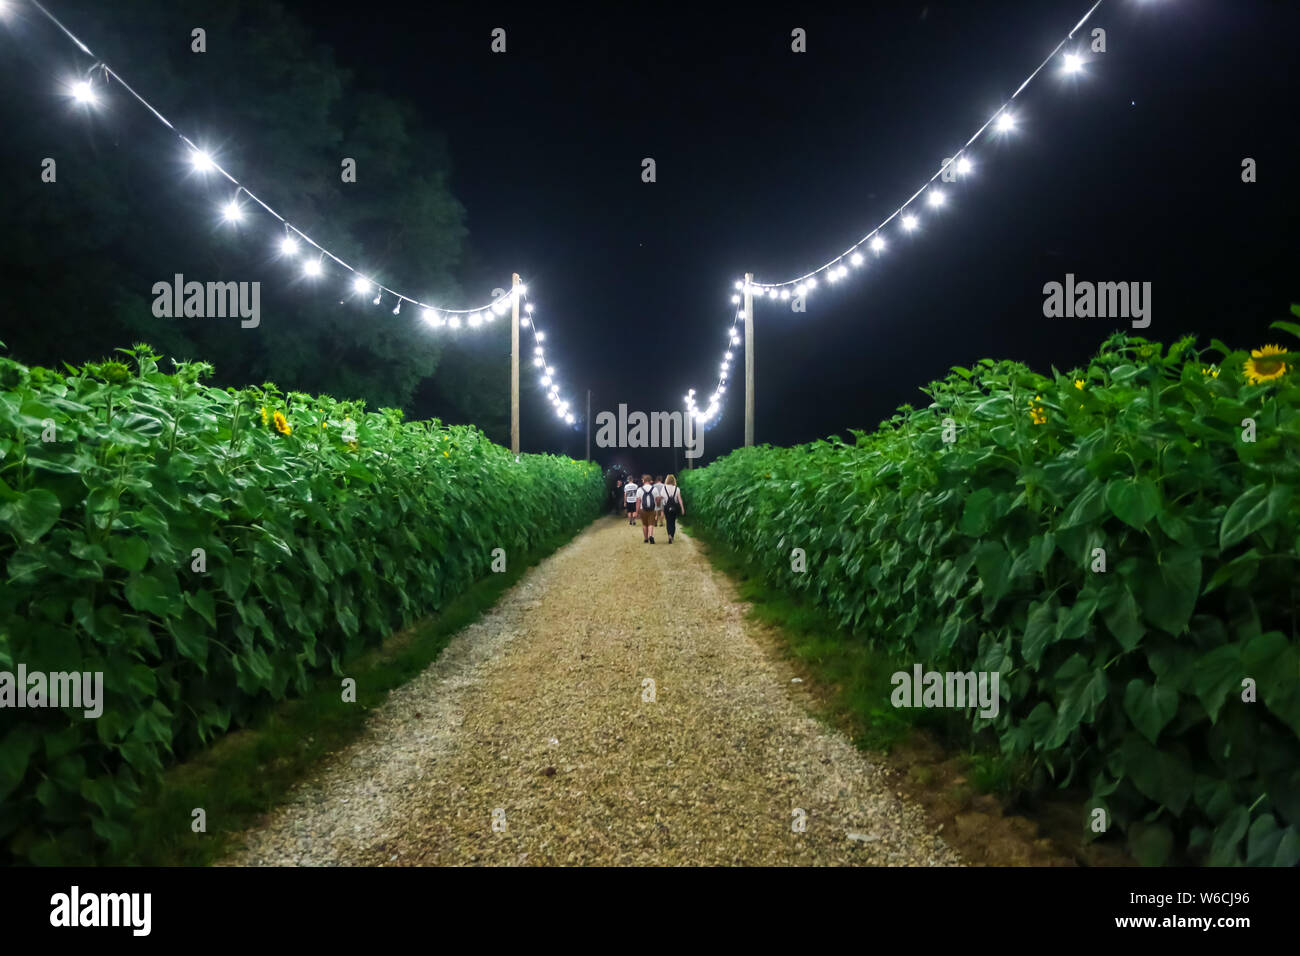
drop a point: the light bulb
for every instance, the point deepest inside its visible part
(936, 198)
(312, 267)
(288, 246)
(201, 160)
(877, 243)
(1006, 123)
(909, 223)
(361, 285)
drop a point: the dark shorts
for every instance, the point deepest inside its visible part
(631, 507)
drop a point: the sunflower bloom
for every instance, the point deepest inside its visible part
(446, 454)
(1262, 367)
(266, 416)
(1078, 383)
(282, 424)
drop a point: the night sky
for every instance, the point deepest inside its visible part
(775, 162)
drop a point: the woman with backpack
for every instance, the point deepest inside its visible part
(673, 506)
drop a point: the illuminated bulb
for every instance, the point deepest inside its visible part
(521, 289)
(1073, 63)
(963, 166)
(523, 322)
(475, 321)
(800, 289)
(833, 274)
(909, 223)
(233, 211)
(541, 336)
(397, 308)
(812, 283)
(856, 258)
(378, 296)
(1006, 123)
(537, 350)
(288, 246)
(538, 361)
(546, 380)
(772, 293)
(311, 268)
(569, 419)
(844, 270)
(936, 198)
(83, 92)
(785, 293)
(877, 243)
(430, 316)
(735, 300)
(454, 321)
(549, 370)
(739, 284)
(528, 307)
(201, 160)
(361, 285)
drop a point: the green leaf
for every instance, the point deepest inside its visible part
(1150, 706)
(1135, 501)
(1123, 619)
(1151, 843)
(1040, 630)
(1216, 674)
(1167, 593)
(1160, 774)
(1087, 507)
(1253, 509)
(32, 514)
(131, 553)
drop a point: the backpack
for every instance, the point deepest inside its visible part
(648, 499)
(670, 506)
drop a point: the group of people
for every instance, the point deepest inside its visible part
(655, 503)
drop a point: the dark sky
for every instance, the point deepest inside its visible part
(774, 161)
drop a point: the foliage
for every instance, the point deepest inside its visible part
(980, 553)
(322, 527)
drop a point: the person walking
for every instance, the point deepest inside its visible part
(660, 497)
(674, 508)
(645, 503)
(629, 500)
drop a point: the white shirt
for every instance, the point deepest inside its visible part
(659, 490)
(629, 492)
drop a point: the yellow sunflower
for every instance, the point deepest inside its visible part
(266, 416)
(1260, 367)
(1078, 383)
(282, 424)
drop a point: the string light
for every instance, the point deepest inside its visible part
(1002, 121)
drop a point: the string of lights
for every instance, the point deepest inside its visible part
(1002, 122)
(85, 91)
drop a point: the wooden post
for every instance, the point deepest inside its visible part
(514, 365)
(749, 360)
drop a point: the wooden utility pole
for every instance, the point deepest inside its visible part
(514, 366)
(588, 424)
(749, 360)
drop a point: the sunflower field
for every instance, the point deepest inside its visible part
(211, 550)
(1120, 543)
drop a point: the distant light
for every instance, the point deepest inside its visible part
(202, 161)
(856, 258)
(475, 320)
(233, 211)
(361, 285)
(431, 317)
(83, 92)
(936, 198)
(541, 336)
(1073, 63)
(569, 419)
(312, 268)
(785, 293)
(454, 321)
(288, 246)
(538, 361)
(964, 166)
(735, 300)
(1006, 123)
(528, 307)
(877, 244)
(909, 223)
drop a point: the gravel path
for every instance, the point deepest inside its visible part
(531, 740)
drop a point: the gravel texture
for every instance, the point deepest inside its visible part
(535, 717)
